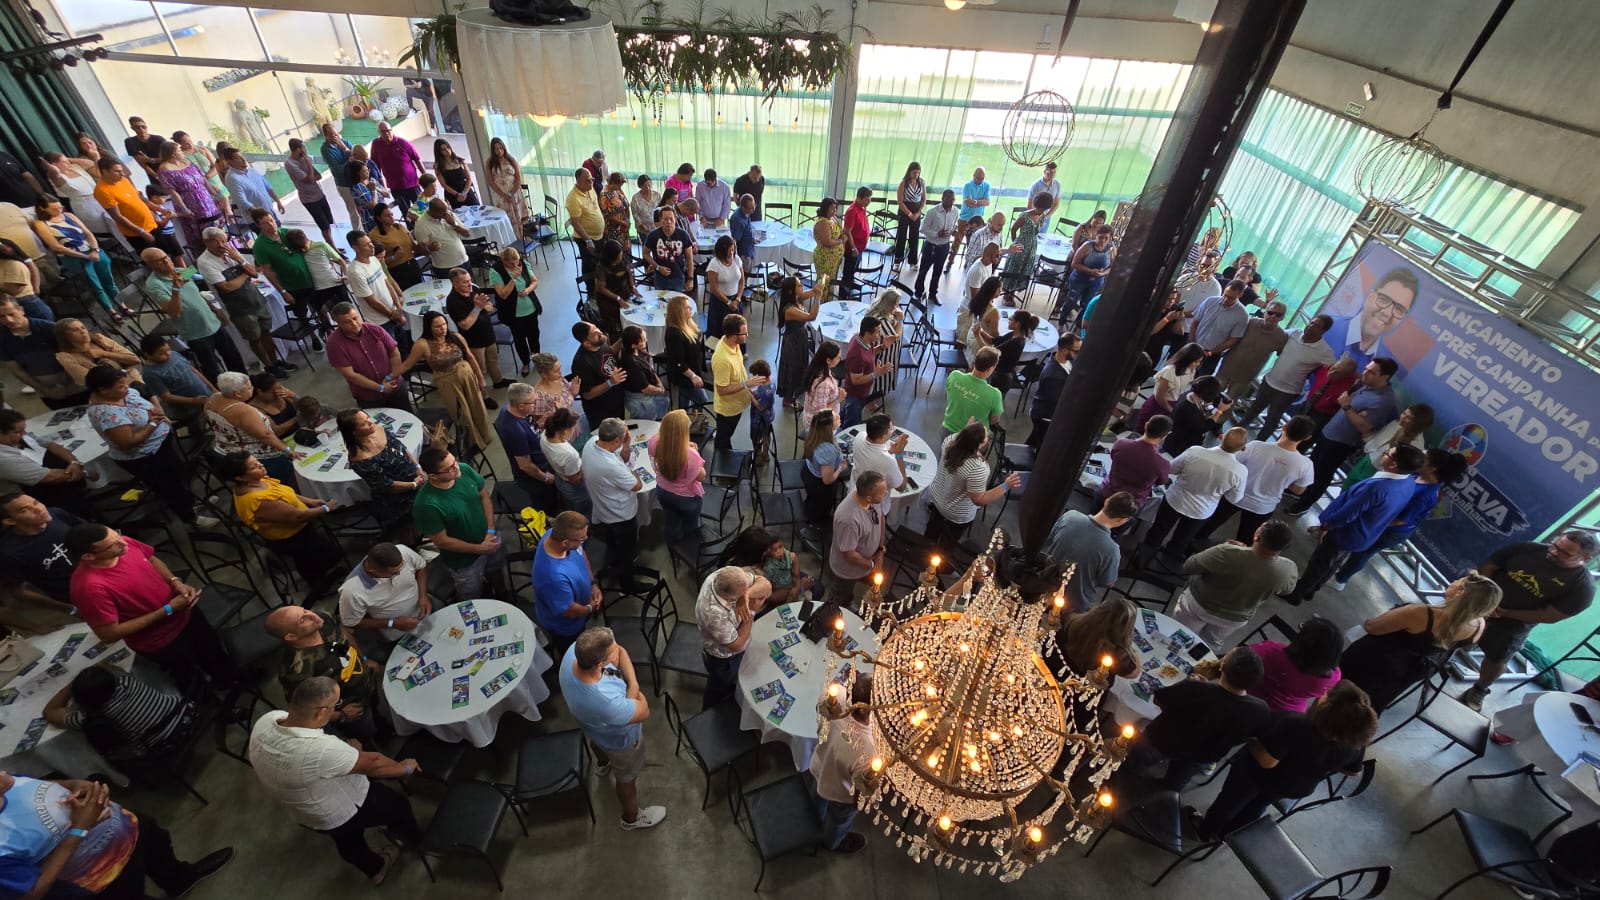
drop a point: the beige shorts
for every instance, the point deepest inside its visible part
(625, 764)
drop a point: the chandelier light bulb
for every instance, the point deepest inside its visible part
(877, 579)
(933, 763)
(876, 764)
(1060, 601)
(954, 5)
(834, 691)
(935, 560)
(1127, 732)
(1105, 799)
(1106, 661)
(945, 824)
(1036, 834)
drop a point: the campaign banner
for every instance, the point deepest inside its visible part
(1518, 408)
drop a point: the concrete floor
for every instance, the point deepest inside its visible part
(700, 854)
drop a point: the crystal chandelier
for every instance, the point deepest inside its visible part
(979, 748)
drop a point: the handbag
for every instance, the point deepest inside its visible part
(700, 423)
(16, 657)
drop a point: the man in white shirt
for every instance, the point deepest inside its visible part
(614, 490)
(1270, 469)
(881, 452)
(439, 234)
(939, 225)
(386, 592)
(724, 614)
(843, 759)
(980, 271)
(323, 781)
(1304, 353)
(377, 294)
(234, 281)
(1201, 476)
(1047, 184)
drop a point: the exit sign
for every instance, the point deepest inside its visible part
(1354, 109)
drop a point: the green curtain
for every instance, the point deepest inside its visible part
(947, 108)
(727, 131)
(37, 112)
(1291, 190)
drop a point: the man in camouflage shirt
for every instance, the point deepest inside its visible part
(315, 646)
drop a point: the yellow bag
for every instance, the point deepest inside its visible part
(531, 525)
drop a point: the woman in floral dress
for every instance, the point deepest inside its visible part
(614, 206)
(188, 184)
(505, 183)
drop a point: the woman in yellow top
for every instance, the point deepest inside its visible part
(830, 240)
(274, 511)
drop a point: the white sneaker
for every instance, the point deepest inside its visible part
(649, 817)
(206, 522)
(28, 389)
(1340, 585)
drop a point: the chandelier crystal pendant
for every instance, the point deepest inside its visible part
(979, 751)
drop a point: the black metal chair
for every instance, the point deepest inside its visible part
(777, 818)
(1146, 813)
(299, 330)
(465, 823)
(1336, 784)
(436, 760)
(778, 510)
(1506, 853)
(714, 737)
(247, 646)
(1281, 870)
(779, 212)
(672, 644)
(550, 764)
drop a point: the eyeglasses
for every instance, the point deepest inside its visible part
(1389, 304)
(1274, 314)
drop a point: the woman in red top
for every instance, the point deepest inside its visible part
(1328, 384)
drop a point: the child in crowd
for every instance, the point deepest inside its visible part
(429, 185)
(762, 410)
(161, 206)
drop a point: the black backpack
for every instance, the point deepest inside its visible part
(539, 12)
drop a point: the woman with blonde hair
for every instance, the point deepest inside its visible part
(78, 351)
(825, 468)
(455, 374)
(686, 360)
(680, 476)
(1399, 646)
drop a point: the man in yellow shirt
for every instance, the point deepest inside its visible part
(588, 226)
(733, 383)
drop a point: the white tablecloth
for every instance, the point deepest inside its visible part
(649, 312)
(1164, 646)
(708, 237)
(1054, 246)
(421, 298)
(57, 750)
(1549, 735)
(802, 248)
(639, 432)
(339, 482)
(278, 314)
(1044, 336)
(797, 730)
(71, 429)
(840, 320)
(488, 222)
(773, 240)
(922, 463)
(430, 706)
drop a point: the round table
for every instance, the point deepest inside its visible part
(325, 470)
(488, 222)
(71, 429)
(640, 431)
(708, 238)
(797, 729)
(1165, 648)
(422, 298)
(56, 750)
(1549, 735)
(1054, 246)
(1044, 337)
(801, 248)
(773, 240)
(649, 312)
(840, 320)
(921, 463)
(449, 633)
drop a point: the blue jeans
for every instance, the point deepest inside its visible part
(850, 411)
(576, 496)
(836, 819)
(682, 516)
(691, 396)
(1080, 289)
(646, 406)
(1391, 537)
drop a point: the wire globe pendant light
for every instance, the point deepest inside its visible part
(1038, 129)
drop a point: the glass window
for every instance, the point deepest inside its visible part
(724, 131)
(219, 32)
(127, 27)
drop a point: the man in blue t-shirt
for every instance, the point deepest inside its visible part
(564, 592)
(601, 689)
(974, 210)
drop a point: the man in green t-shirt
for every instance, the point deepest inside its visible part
(970, 397)
(455, 512)
(284, 267)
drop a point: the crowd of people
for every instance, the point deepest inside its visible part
(214, 257)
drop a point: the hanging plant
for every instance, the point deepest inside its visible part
(433, 42)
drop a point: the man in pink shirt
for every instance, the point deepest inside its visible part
(400, 164)
(856, 232)
(125, 594)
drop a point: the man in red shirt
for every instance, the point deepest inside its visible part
(860, 370)
(125, 594)
(856, 232)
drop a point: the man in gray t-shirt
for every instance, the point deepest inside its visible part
(858, 537)
(1229, 582)
(1085, 542)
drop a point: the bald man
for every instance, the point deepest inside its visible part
(199, 324)
(314, 646)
